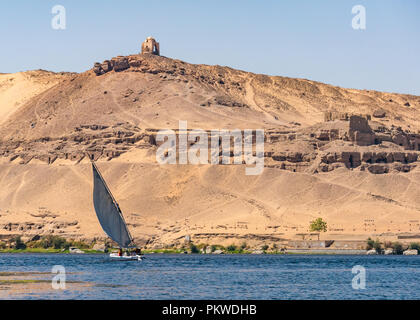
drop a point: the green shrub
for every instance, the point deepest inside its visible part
(52, 241)
(369, 244)
(231, 248)
(32, 244)
(194, 248)
(80, 245)
(264, 247)
(398, 248)
(318, 225)
(19, 244)
(377, 246)
(202, 246)
(414, 246)
(58, 243)
(45, 242)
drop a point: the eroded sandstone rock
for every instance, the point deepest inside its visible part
(380, 113)
(378, 169)
(120, 64)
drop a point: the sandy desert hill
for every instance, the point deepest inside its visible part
(348, 156)
(18, 88)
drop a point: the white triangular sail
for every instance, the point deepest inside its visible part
(108, 211)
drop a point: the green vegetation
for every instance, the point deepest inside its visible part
(57, 244)
(377, 246)
(232, 248)
(22, 273)
(166, 251)
(81, 245)
(45, 244)
(374, 244)
(19, 244)
(397, 247)
(23, 281)
(318, 225)
(369, 244)
(201, 248)
(193, 248)
(50, 242)
(32, 250)
(215, 247)
(414, 246)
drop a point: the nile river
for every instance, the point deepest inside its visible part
(161, 276)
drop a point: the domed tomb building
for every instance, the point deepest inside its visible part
(150, 45)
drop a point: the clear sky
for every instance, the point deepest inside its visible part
(295, 38)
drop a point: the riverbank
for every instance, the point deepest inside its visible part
(60, 245)
(164, 251)
(47, 250)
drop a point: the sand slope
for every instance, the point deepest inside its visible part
(18, 88)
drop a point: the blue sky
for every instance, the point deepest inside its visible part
(304, 39)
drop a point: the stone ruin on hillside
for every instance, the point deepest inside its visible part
(117, 64)
(360, 132)
(120, 63)
(150, 45)
(344, 116)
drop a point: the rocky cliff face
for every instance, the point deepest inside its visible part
(350, 144)
(318, 138)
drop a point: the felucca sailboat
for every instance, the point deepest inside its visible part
(110, 217)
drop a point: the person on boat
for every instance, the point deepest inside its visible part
(120, 252)
(138, 251)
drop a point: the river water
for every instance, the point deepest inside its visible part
(162, 276)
